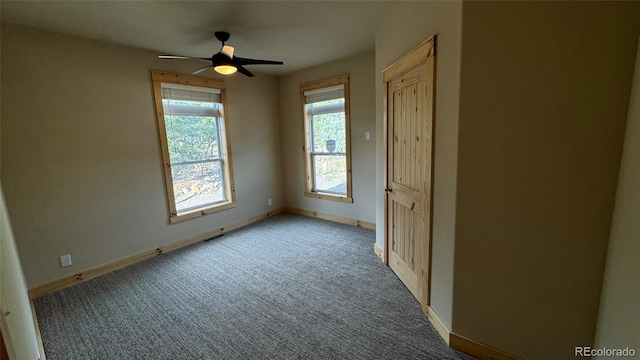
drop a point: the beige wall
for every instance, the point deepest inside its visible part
(531, 102)
(81, 165)
(543, 104)
(619, 317)
(16, 322)
(406, 25)
(361, 76)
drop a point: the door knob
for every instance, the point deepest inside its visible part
(388, 189)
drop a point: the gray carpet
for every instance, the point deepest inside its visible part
(289, 287)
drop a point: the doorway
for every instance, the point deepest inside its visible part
(409, 118)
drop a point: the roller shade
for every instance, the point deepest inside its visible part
(190, 93)
(174, 97)
(313, 97)
(324, 94)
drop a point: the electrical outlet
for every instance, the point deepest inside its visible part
(269, 202)
(65, 260)
(367, 135)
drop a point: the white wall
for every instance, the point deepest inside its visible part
(363, 161)
(405, 26)
(619, 317)
(543, 104)
(81, 164)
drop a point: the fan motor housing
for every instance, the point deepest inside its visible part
(222, 36)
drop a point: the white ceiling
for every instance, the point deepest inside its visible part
(300, 33)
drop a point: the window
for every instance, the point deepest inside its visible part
(327, 158)
(195, 144)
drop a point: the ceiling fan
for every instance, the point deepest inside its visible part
(224, 62)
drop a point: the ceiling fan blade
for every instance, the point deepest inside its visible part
(245, 61)
(201, 69)
(228, 50)
(244, 71)
(182, 57)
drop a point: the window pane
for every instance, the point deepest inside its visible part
(196, 185)
(329, 133)
(330, 174)
(192, 138)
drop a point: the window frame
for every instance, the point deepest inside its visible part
(159, 77)
(307, 138)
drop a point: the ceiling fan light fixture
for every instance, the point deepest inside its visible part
(225, 69)
(225, 62)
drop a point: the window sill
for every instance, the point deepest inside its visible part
(201, 212)
(331, 197)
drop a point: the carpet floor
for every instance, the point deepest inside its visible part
(288, 287)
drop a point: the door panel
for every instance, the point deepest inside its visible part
(405, 250)
(406, 177)
(408, 117)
